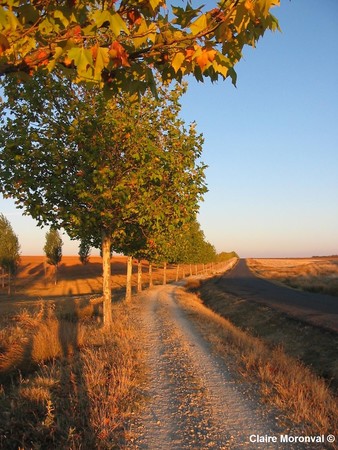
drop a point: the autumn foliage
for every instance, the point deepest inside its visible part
(121, 45)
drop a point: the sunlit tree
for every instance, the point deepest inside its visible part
(53, 249)
(74, 159)
(120, 44)
(9, 249)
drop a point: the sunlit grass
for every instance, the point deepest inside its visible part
(285, 381)
(65, 383)
(313, 275)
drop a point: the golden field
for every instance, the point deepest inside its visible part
(36, 280)
(308, 274)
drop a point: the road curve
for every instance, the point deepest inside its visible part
(318, 309)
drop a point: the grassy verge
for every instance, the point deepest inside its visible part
(262, 349)
(64, 383)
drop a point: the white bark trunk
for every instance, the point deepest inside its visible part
(139, 276)
(106, 288)
(129, 275)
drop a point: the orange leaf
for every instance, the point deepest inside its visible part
(205, 59)
(189, 53)
(118, 54)
(94, 51)
(249, 5)
(134, 17)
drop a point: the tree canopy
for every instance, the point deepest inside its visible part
(75, 160)
(53, 249)
(120, 44)
(9, 247)
(104, 170)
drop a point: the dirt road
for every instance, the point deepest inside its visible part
(194, 401)
(318, 309)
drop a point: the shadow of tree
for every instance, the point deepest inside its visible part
(72, 404)
(46, 405)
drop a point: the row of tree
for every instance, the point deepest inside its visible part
(188, 248)
(113, 173)
(117, 175)
(9, 251)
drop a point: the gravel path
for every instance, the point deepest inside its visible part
(194, 402)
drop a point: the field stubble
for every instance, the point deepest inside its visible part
(311, 274)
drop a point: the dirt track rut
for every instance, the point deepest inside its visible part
(194, 402)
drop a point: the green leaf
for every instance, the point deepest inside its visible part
(28, 14)
(58, 52)
(100, 17)
(59, 15)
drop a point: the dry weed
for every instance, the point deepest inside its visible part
(83, 388)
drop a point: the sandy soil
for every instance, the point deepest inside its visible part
(194, 400)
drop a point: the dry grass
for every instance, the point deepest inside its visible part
(314, 275)
(65, 382)
(285, 382)
(314, 347)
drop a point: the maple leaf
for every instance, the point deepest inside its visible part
(4, 44)
(205, 59)
(134, 17)
(189, 53)
(118, 55)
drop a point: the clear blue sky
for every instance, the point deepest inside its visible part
(271, 144)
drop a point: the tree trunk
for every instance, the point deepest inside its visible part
(190, 269)
(177, 271)
(9, 282)
(164, 273)
(129, 275)
(106, 271)
(139, 276)
(151, 275)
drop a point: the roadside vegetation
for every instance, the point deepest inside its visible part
(67, 383)
(64, 383)
(294, 365)
(311, 274)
